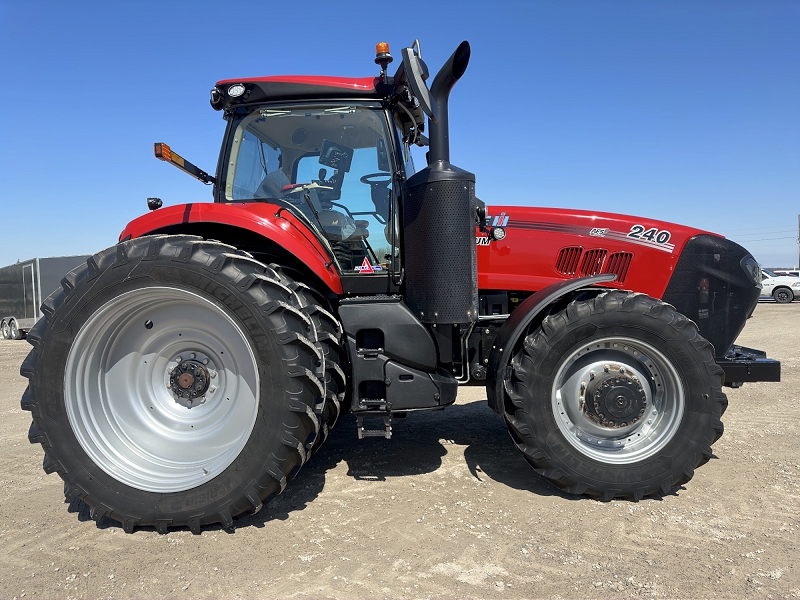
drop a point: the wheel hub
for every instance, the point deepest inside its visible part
(189, 382)
(615, 399)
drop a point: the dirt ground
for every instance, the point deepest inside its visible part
(447, 508)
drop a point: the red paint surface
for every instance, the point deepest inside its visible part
(526, 258)
(524, 261)
(351, 83)
(259, 217)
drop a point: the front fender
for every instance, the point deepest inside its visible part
(268, 220)
(518, 322)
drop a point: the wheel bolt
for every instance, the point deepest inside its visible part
(179, 359)
(188, 402)
(192, 355)
(212, 389)
(213, 374)
(205, 361)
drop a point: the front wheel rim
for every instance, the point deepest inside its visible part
(122, 409)
(642, 368)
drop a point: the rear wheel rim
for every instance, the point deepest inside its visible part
(118, 396)
(660, 385)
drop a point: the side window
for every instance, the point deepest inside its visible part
(366, 196)
(255, 159)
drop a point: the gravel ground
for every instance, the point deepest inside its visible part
(447, 508)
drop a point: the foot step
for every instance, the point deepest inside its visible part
(385, 432)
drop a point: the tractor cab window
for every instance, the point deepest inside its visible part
(333, 165)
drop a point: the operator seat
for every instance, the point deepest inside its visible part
(272, 185)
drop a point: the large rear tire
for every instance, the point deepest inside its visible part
(5, 330)
(615, 396)
(211, 382)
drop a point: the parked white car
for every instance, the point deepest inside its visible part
(783, 288)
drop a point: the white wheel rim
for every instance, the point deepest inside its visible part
(120, 406)
(661, 386)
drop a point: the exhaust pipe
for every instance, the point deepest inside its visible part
(444, 81)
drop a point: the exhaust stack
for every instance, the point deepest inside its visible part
(439, 213)
(444, 81)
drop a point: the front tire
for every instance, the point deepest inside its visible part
(615, 396)
(783, 295)
(174, 382)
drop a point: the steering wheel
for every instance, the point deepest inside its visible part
(372, 179)
(379, 191)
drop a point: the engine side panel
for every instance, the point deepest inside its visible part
(546, 245)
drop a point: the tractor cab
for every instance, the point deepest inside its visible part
(335, 165)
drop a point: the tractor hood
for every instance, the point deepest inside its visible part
(545, 245)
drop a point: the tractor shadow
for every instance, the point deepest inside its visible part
(418, 445)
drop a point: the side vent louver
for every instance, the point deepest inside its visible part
(592, 262)
(568, 259)
(619, 263)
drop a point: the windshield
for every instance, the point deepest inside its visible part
(330, 163)
(768, 273)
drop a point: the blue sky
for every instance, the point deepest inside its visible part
(687, 111)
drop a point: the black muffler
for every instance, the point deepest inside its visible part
(439, 218)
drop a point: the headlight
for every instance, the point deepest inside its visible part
(751, 267)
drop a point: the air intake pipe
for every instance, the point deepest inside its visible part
(439, 221)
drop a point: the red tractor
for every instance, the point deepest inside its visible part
(183, 376)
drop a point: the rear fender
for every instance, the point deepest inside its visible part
(269, 221)
(526, 315)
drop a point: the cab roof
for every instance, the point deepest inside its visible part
(300, 87)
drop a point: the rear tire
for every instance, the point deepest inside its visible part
(135, 449)
(5, 330)
(329, 339)
(615, 396)
(14, 332)
(783, 295)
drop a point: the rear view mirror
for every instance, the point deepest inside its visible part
(416, 73)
